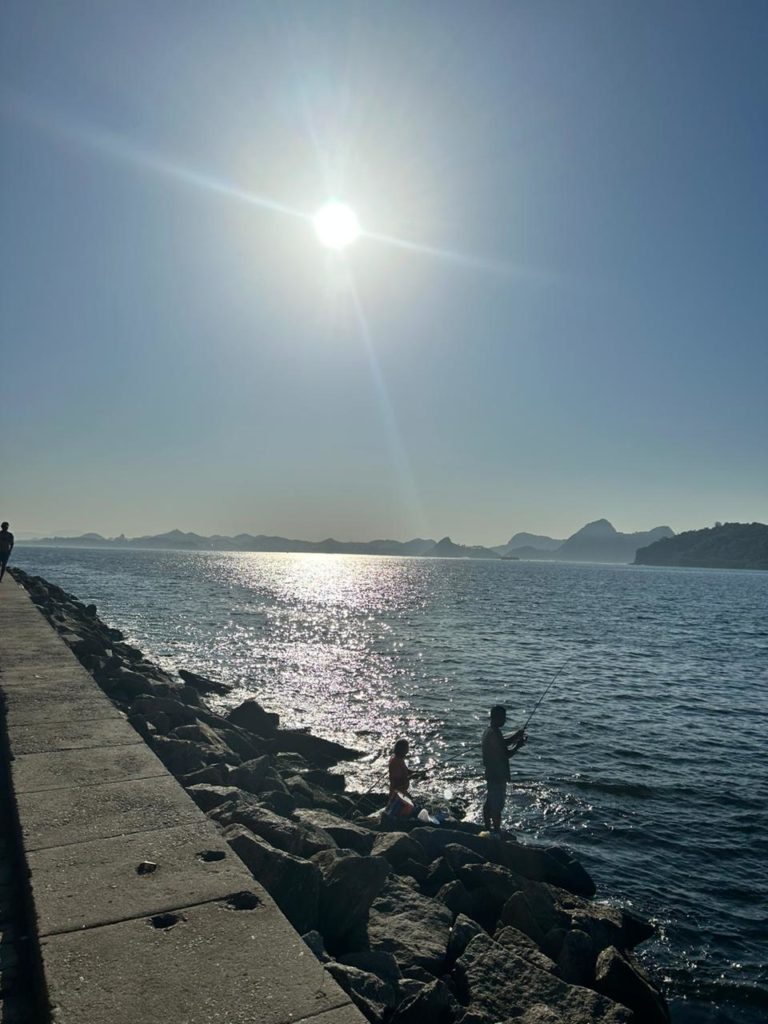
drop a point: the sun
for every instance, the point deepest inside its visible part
(336, 225)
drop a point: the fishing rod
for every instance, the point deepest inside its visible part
(552, 682)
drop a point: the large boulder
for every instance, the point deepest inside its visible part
(332, 781)
(551, 865)
(213, 774)
(251, 774)
(455, 896)
(432, 1004)
(207, 796)
(245, 745)
(458, 856)
(621, 978)
(375, 962)
(498, 982)
(523, 946)
(372, 996)
(576, 959)
(411, 926)
(200, 732)
(463, 931)
(344, 833)
(287, 835)
(320, 752)
(251, 715)
(180, 757)
(541, 910)
(495, 882)
(350, 884)
(398, 848)
(202, 684)
(293, 883)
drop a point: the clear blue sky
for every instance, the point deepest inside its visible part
(591, 338)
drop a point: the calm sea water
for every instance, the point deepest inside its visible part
(648, 757)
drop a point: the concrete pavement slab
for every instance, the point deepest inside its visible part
(215, 965)
(64, 769)
(56, 817)
(108, 732)
(45, 675)
(38, 710)
(88, 884)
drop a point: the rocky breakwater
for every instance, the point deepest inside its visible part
(418, 924)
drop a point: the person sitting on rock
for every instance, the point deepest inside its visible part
(497, 750)
(400, 804)
(400, 774)
(6, 547)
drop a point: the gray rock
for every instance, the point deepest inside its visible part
(200, 732)
(180, 757)
(415, 929)
(293, 883)
(576, 960)
(315, 942)
(455, 896)
(301, 791)
(251, 715)
(397, 848)
(332, 781)
(241, 742)
(435, 1004)
(621, 978)
(281, 803)
(149, 705)
(376, 962)
(439, 873)
(207, 797)
(496, 882)
(519, 943)
(345, 834)
(213, 774)
(502, 984)
(202, 684)
(129, 682)
(320, 752)
(250, 775)
(540, 1014)
(287, 835)
(350, 884)
(458, 856)
(372, 996)
(410, 987)
(552, 866)
(463, 931)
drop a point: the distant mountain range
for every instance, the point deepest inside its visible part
(595, 542)
(724, 546)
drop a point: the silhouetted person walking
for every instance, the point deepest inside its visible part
(497, 750)
(6, 547)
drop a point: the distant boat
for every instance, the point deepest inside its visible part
(510, 558)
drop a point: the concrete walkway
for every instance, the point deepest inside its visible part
(120, 942)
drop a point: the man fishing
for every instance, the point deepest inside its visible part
(497, 750)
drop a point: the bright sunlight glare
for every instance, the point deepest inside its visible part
(336, 225)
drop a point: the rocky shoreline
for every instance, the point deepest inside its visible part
(419, 924)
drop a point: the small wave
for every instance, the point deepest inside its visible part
(635, 789)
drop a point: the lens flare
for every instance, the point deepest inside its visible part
(336, 225)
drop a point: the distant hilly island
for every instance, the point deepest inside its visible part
(595, 542)
(724, 546)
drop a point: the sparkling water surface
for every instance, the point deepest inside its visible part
(647, 758)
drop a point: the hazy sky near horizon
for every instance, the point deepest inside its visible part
(563, 314)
